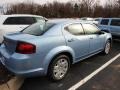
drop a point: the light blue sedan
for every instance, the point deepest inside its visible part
(50, 48)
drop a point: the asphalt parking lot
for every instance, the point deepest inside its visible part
(107, 79)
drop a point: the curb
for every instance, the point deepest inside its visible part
(13, 84)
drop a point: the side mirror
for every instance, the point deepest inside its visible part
(106, 31)
(100, 32)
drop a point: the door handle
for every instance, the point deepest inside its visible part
(71, 40)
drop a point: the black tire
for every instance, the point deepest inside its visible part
(107, 47)
(51, 72)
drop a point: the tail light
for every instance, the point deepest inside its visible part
(25, 48)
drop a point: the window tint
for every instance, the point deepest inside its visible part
(115, 22)
(38, 28)
(90, 29)
(104, 22)
(19, 21)
(75, 29)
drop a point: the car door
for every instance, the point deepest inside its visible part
(96, 39)
(115, 27)
(77, 40)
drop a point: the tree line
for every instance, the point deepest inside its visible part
(83, 8)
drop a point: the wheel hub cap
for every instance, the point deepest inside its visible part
(107, 49)
(60, 68)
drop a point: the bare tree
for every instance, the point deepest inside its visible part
(85, 8)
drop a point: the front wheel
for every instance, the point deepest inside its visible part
(107, 47)
(59, 68)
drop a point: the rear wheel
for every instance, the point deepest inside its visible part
(59, 67)
(107, 47)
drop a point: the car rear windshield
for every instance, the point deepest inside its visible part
(38, 29)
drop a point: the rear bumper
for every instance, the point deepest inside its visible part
(27, 73)
(20, 64)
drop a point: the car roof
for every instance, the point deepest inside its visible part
(16, 15)
(109, 18)
(87, 18)
(22, 15)
(68, 21)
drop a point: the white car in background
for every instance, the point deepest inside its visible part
(91, 20)
(17, 22)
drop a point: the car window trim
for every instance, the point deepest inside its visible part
(92, 25)
(72, 24)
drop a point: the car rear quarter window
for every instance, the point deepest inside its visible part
(115, 22)
(75, 29)
(19, 21)
(90, 29)
(39, 19)
(104, 22)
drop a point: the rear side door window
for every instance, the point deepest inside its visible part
(19, 21)
(115, 22)
(90, 29)
(75, 29)
(104, 21)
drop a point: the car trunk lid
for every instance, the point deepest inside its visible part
(11, 40)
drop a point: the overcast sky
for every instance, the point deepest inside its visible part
(38, 1)
(3, 2)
